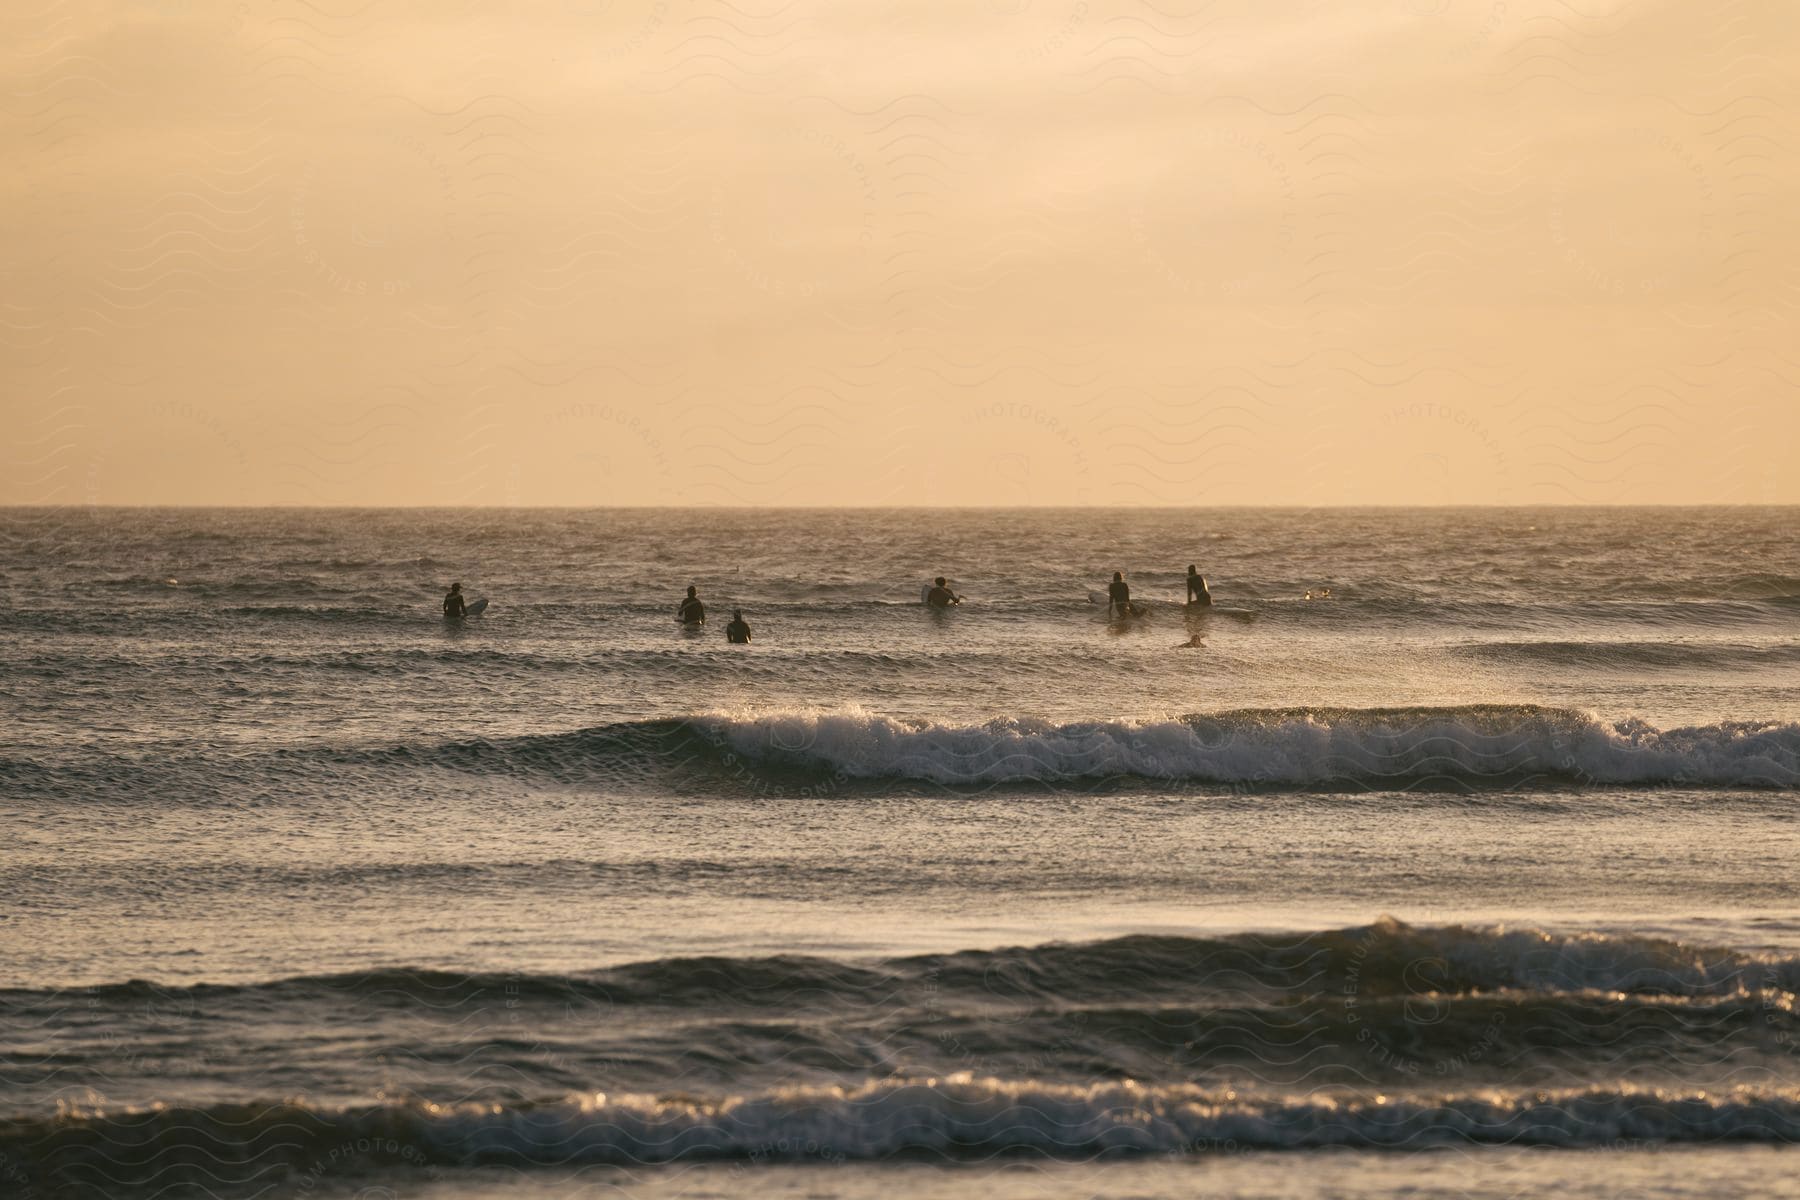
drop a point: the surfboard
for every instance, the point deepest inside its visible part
(1135, 608)
(477, 608)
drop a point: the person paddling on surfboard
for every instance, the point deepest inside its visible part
(1118, 595)
(1197, 593)
(940, 595)
(453, 603)
(738, 632)
(691, 612)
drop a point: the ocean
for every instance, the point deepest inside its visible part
(1451, 851)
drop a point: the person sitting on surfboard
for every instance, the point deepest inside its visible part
(1118, 594)
(738, 632)
(453, 602)
(940, 595)
(691, 612)
(1197, 593)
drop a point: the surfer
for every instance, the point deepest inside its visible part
(1118, 595)
(453, 603)
(940, 595)
(738, 632)
(691, 612)
(1196, 585)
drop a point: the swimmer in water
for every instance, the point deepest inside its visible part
(691, 612)
(1118, 595)
(1196, 587)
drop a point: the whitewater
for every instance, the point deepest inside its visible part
(1481, 746)
(1490, 848)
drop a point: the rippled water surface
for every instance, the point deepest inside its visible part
(1440, 830)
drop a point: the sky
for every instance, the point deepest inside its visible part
(958, 252)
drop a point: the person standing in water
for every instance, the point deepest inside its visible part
(1197, 593)
(738, 632)
(691, 612)
(940, 595)
(1118, 595)
(453, 603)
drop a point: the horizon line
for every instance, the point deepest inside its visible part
(211, 507)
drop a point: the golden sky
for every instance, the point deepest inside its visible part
(904, 252)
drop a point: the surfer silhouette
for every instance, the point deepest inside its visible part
(1118, 595)
(1196, 587)
(738, 632)
(453, 602)
(691, 612)
(940, 595)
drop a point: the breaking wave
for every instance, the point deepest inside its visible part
(1144, 1044)
(957, 1117)
(1471, 746)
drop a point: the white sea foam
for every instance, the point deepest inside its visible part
(957, 1116)
(1280, 748)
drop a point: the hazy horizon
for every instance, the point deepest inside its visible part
(1018, 252)
(1552, 507)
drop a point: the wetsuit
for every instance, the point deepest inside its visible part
(1197, 593)
(692, 612)
(940, 597)
(1118, 593)
(453, 604)
(738, 633)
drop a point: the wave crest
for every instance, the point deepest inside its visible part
(1283, 747)
(1386, 958)
(957, 1117)
(1466, 746)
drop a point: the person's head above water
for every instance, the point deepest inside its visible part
(1192, 569)
(691, 591)
(1118, 576)
(737, 614)
(456, 587)
(939, 581)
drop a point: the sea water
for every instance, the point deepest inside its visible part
(1451, 849)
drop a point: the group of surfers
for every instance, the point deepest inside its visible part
(1118, 593)
(691, 612)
